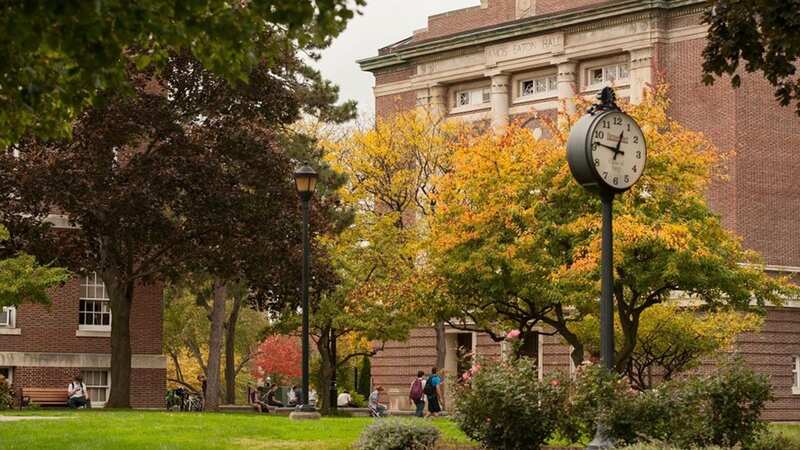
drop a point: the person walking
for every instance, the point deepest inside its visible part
(416, 394)
(433, 391)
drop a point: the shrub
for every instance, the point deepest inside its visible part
(735, 398)
(723, 409)
(6, 395)
(398, 434)
(770, 440)
(505, 406)
(358, 400)
(648, 446)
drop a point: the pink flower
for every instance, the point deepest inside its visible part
(466, 376)
(474, 369)
(513, 334)
(554, 382)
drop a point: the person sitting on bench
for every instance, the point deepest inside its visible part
(78, 396)
(271, 401)
(254, 398)
(375, 407)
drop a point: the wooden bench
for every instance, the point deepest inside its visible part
(43, 397)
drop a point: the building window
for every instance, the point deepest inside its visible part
(7, 373)
(7, 316)
(472, 97)
(607, 75)
(97, 384)
(538, 87)
(94, 310)
(796, 376)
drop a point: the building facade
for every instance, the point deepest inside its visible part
(45, 346)
(503, 60)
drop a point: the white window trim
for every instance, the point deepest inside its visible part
(588, 85)
(10, 378)
(107, 386)
(547, 94)
(796, 375)
(94, 330)
(454, 109)
(12, 317)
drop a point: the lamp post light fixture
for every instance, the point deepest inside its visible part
(305, 179)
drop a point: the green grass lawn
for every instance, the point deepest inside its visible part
(146, 430)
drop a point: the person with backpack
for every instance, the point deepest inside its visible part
(416, 393)
(78, 395)
(433, 391)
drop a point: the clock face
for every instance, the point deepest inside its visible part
(618, 150)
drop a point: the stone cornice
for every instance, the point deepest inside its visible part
(604, 14)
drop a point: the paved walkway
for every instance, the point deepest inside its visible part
(18, 418)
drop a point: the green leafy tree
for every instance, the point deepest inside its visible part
(23, 279)
(758, 36)
(58, 58)
(672, 339)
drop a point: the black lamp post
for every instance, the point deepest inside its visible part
(305, 179)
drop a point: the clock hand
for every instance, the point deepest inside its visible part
(606, 146)
(619, 144)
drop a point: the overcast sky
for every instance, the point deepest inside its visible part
(383, 22)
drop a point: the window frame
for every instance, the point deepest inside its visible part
(480, 97)
(11, 317)
(796, 375)
(84, 297)
(550, 89)
(604, 67)
(89, 387)
(10, 377)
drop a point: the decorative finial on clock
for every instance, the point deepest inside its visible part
(607, 99)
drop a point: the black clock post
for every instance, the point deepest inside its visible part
(601, 164)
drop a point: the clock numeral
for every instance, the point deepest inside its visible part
(615, 181)
(594, 146)
(605, 175)
(599, 134)
(597, 163)
(636, 139)
(629, 127)
(627, 179)
(638, 154)
(606, 124)
(618, 121)
(634, 169)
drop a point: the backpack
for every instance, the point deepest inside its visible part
(416, 390)
(429, 389)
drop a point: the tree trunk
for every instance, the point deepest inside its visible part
(121, 299)
(325, 372)
(441, 345)
(230, 351)
(211, 402)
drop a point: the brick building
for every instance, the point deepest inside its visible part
(45, 346)
(507, 58)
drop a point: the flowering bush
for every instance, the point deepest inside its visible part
(505, 406)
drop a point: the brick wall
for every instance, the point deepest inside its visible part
(387, 105)
(553, 6)
(497, 11)
(759, 199)
(51, 328)
(147, 385)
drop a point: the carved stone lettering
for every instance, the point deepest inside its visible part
(459, 62)
(551, 43)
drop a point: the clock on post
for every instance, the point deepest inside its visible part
(606, 149)
(607, 154)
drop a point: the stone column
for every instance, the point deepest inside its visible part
(500, 101)
(641, 73)
(433, 100)
(567, 79)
